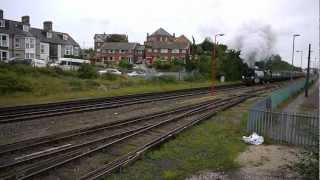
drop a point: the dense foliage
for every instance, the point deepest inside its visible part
(125, 65)
(275, 63)
(87, 71)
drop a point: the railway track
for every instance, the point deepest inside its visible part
(35, 157)
(30, 112)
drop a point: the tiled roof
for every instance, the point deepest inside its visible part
(161, 32)
(104, 37)
(183, 39)
(57, 37)
(167, 45)
(140, 47)
(119, 45)
(15, 28)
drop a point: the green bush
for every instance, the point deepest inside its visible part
(110, 77)
(11, 83)
(87, 71)
(124, 64)
(195, 77)
(162, 65)
(164, 79)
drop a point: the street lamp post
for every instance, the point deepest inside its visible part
(213, 63)
(294, 37)
(301, 54)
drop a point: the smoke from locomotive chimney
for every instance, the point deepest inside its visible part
(255, 41)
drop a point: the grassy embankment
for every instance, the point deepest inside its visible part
(213, 145)
(25, 85)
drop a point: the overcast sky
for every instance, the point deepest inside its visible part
(198, 18)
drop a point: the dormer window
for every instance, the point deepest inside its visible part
(65, 37)
(25, 28)
(49, 34)
(2, 23)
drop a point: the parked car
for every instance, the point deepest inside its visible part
(109, 71)
(136, 74)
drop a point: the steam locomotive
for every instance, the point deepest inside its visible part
(258, 76)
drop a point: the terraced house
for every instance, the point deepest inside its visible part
(111, 48)
(164, 46)
(20, 41)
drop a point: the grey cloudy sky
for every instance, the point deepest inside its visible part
(198, 18)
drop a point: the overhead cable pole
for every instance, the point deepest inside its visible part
(308, 73)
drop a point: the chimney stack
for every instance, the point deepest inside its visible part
(174, 35)
(1, 14)
(47, 26)
(25, 20)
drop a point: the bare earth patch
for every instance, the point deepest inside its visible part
(268, 160)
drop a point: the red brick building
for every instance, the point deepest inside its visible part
(113, 52)
(164, 46)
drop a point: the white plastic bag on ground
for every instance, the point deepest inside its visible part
(254, 138)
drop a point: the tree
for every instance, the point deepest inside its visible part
(124, 64)
(87, 71)
(207, 45)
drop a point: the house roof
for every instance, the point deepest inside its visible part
(183, 39)
(140, 47)
(103, 37)
(119, 45)
(161, 32)
(167, 45)
(57, 37)
(15, 28)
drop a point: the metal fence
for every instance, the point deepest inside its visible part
(291, 128)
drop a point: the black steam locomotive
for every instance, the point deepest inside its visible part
(258, 76)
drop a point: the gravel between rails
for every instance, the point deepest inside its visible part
(13, 132)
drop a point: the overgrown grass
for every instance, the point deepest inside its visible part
(21, 84)
(212, 145)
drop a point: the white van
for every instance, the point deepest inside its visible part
(71, 64)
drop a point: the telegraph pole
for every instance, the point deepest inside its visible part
(308, 73)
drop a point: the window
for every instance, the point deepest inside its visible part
(25, 28)
(29, 56)
(149, 50)
(175, 51)
(98, 50)
(122, 51)
(4, 55)
(2, 23)
(49, 35)
(65, 37)
(29, 43)
(42, 50)
(164, 50)
(68, 50)
(155, 50)
(32, 43)
(17, 43)
(4, 40)
(183, 51)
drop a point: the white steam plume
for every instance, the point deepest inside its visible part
(256, 42)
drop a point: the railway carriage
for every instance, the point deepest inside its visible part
(256, 76)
